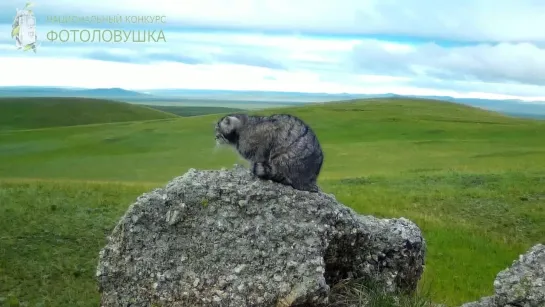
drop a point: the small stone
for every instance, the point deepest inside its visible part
(172, 217)
(239, 268)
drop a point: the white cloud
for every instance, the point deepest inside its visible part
(93, 73)
(504, 62)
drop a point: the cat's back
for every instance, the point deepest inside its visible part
(295, 134)
(289, 125)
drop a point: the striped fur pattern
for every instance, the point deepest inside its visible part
(281, 147)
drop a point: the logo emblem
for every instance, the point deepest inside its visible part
(24, 29)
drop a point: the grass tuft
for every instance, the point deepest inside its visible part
(368, 293)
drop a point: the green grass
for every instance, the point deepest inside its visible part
(49, 238)
(194, 111)
(44, 112)
(471, 179)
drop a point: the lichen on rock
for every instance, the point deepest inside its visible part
(226, 238)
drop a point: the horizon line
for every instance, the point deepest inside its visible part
(143, 91)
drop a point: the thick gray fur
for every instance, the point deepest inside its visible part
(281, 147)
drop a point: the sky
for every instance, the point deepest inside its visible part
(463, 48)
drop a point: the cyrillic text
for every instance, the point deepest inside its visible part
(108, 19)
(107, 36)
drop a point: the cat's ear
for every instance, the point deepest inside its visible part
(232, 121)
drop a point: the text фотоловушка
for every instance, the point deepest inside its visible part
(107, 35)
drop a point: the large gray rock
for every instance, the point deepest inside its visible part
(225, 238)
(521, 285)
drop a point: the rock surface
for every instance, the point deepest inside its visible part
(521, 285)
(225, 238)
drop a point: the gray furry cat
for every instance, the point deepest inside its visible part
(281, 147)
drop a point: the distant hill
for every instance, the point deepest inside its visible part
(526, 115)
(194, 111)
(32, 113)
(109, 93)
(104, 93)
(197, 97)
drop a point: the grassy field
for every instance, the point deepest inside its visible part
(194, 111)
(32, 113)
(471, 179)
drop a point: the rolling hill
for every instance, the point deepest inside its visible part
(44, 112)
(194, 111)
(471, 179)
(249, 99)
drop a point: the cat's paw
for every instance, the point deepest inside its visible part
(259, 169)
